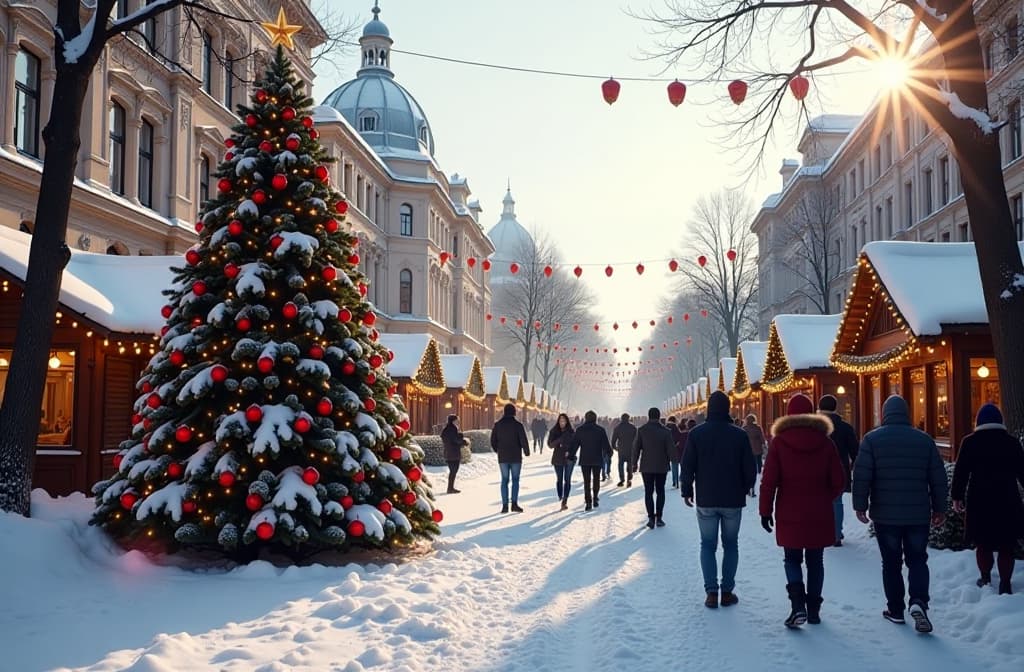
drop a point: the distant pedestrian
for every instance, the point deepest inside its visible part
(622, 441)
(718, 457)
(988, 470)
(757, 443)
(899, 477)
(539, 429)
(678, 442)
(652, 452)
(802, 477)
(508, 439)
(558, 440)
(606, 465)
(590, 443)
(845, 438)
(453, 441)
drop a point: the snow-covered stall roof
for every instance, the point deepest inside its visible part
(515, 389)
(416, 358)
(464, 372)
(750, 358)
(496, 381)
(702, 389)
(727, 373)
(530, 393)
(120, 293)
(798, 343)
(712, 380)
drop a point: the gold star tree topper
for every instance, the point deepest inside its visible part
(282, 31)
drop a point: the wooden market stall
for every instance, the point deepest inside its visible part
(915, 324)
(496, 393)
(516, 391)
(529, 409)
(106, 321)
(418, 372)
(749, 396)
(465, 394)
(797, 361)
(726, 374)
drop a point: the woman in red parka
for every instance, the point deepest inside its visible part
(802, 477)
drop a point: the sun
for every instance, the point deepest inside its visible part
(892, 71)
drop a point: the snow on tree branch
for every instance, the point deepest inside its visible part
(961, 110)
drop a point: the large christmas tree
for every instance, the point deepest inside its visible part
(267, 417)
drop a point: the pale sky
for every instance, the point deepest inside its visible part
(612, 184)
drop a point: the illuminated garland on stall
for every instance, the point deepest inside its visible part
(429, 376)
(474, 389)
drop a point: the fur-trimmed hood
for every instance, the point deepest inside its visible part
(810, 420)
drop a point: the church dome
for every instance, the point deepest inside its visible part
(510, 238)
(378, 107)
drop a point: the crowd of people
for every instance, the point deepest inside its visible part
(807, 460)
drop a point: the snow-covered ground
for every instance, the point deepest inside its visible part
(542, 590)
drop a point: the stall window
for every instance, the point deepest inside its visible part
(917, 399)
(58, 397)
(984, 383)
(894, 384)
(941, 400)
(876, 401)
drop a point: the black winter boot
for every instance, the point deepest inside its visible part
(798, 600)
(814, 609)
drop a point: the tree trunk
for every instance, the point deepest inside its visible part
(26, 380)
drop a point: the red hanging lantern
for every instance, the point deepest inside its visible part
(731, 255)
(443, 257)
(265, 531)
(738, 91)
(356, 528)
(702, 261)
(799, 86)
(254, 413)
(218, 373)
(486, 264)
(235, 227)
(471, 262)
(610, 90)
(676, 93)
(608, 270)
(290, 310)
(548, 271)
(513, 268)
(577, 271)
(253, 502)
(640, 269)
(226, 479)
(310, 476)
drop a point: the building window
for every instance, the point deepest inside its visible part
(121, 9)
(455, 246)
(424, 138)
(1013, 112)
(877, 233)
(208, 63)
(117, 132)
(26, 105)
(229, 80)
(888, 218)
(146, 164)
(878, 161)
(1012, 39)
(944, 179)
(888, 149)
(149, 31)
(907, 138)
(926, 186)
(1017, 207)
(405, 219)
(405, 291)
(204, 180)
(368, 123)
(58, 396)
(965, 233)
(945, 237)
(860, 175)
(908, 197)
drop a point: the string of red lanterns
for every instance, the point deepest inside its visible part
(549, 269)
(737, 89)
(558, 326)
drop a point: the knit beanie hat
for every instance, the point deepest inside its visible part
(989, 414)
(798, 404)
(828, 403)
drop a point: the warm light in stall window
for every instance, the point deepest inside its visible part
(4, 363)
(841, 390)
(983, 371)
(54, 362)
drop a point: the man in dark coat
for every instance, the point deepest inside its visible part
(539, 428)
(718, 457)
(589, 443)
(622, 441)
(652, 452)
(900, 479)
(845, 438)
(508, 439)
(452, 440)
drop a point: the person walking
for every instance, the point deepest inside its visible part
(508, 439)
(558, 440)
(453, 441)
(606, 464)
(539, 429)
(757, 443)
(802, 476)
(652, 452)
(900, 479)
(678, 442)
(622, 441)
(845, 438)
(718, 457)
(590, 443)
(988, 469)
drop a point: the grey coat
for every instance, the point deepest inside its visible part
(652, 448)
(899, 477)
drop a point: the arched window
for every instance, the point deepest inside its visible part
(405, 219)
(146, 164)
(204, 180)
(367, 122)
(118, 248)
(423, 135)
(117, 136)
(26, 105)
(208, 63)
(383, 58)
(229, 80)
(455, 246)
(405, 291)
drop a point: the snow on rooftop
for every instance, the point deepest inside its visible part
(120, 293)
(408, 349)
(835, 123)
(712, 379)
(492, 378)
(728, 367)
(927, 299)
(806, 339)
(457, 369)
(529, 391)
(754, 354)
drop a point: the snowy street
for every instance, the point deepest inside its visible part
(542, 590)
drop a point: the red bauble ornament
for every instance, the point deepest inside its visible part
(253, 502)
(676, 93)
(369, 404)
(261, 96)
(189, 506)
(353, 259)
(153, 400)
(405, 424)
(513, 268)
(346, 502)
(259, 197)
(183, 434)
(251, 120)
(345, 315)
(302, 425)
(362, 289)
(177, 358)
(230, 156)
(224, 185)
(348, 368)
(341, 207)
(652, 323)
(610, 90)
(731, 255)
(356, 528)
(738, 91)
(244, 324)
(486, 264)
(331, 225)
(231, 270)
(275, 241)
(218, 373)
(324, 407)
(409, 498)
(279, 181)
(307, 122)
(226, 479)
(414, 474)
(254, 413)
(266, 146)
(192, 257)
(292, 144)
(310, 476)
(316, 351)
(502, 319)
(391, 355)
(136, 419)
(702, 261)
(164, 329)
(385, 506)
(166, 311)
(370, 378)
(265, 531)
(288, 113)
(369, 319)
(290, 311)
(395, 453)
(471, 261)
(359, 477)
(673, 265)
(376, 360)
(265, 364)
(322, 173)
(118, 459)
(128, 500)
(398, 432)
(235, 227)
(608, 270)
(314, 134)
(640, 269)
(548, 271)
(437, 515)
(329, 273)
(229, 143)
(799, 86)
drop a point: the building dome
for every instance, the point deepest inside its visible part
(510, 238)
(383, 112)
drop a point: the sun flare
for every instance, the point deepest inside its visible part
(892, 72)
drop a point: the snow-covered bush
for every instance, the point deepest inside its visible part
(951, 533)
(433, 450)
(479, 440)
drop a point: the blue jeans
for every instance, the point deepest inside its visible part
(606, 467)
(794, 558)
(837, 508)
(563, 479)
(675, 474)
(510, 469)
(899, 544)
(708, 520)
(624, 472)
